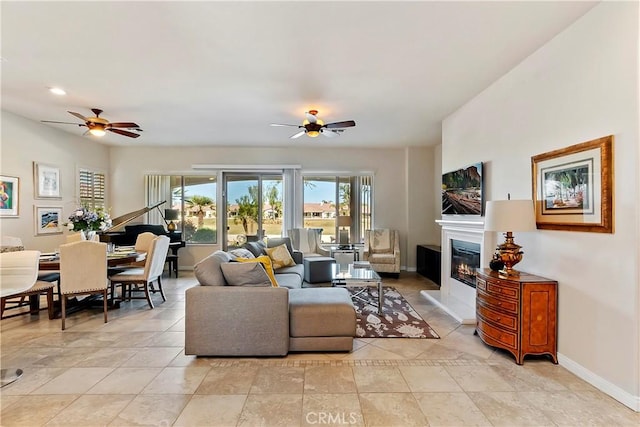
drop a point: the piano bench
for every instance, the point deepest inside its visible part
(172, 260)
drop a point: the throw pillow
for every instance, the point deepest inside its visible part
(242, 253)
(272, 242)
(208, 270)
(245, 274)
(256, 248)
(280, 256)
(266, 263)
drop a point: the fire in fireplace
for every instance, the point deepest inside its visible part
(465, 259)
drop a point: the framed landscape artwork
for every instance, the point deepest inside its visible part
(462, 191)
(47, 181)
(573, 187)
(9, 195)
(48, 220)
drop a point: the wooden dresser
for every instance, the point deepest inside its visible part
(517, 313)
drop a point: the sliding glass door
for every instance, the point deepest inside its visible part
(254, 207)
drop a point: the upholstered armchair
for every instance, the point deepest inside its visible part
(307, 241)
(382, 250)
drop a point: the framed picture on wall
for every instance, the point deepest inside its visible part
(47, 181)
(9, 195)
(462, 191)
(573, 187)
(48, 220)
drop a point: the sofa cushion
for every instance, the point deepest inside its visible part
(208, 270)
(321, 312)
(294, 269)
(280, 256)
(245, 274)
(256, 248)
(266, 263)
(289, 280)
(382, 258)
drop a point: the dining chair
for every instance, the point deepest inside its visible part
(143, 243)
(152, 272)
(14, 244)
(19, 279)
(83, 271)
(77, 237)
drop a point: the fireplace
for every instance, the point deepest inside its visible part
(465, 259)
(455, 296)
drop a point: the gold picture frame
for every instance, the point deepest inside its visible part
(573, 187)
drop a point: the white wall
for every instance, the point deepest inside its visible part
(580, 86)
(419, 210)
(400, 188)
(24, 142)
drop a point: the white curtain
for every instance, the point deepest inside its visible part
(291, 204)
(157, 189)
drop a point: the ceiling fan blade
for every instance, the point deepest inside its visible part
(62, 123)
(129, 125)
(345, 124)
(123, 132)
(279, 124)
(299, 134)
(330, 133)
(78, 115)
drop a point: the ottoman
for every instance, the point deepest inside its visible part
(321, 319)
(317, 269)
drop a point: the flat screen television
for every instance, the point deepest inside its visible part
(462, 191)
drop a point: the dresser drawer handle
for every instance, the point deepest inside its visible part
(498, 318)
(499, 303)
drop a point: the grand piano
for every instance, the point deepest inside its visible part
(122, 233)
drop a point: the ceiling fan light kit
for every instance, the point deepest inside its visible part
(98, 126)
(312, 126)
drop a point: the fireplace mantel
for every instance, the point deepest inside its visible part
(454, 297)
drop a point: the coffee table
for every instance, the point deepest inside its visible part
(343, 274)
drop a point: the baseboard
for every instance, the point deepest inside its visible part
(600, 383)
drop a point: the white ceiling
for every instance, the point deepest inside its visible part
(218, 73)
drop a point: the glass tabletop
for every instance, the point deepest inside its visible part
(347, 272)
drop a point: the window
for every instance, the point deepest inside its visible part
(91, 189)
(194, 197)
(339, 205)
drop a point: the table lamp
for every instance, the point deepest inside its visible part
(344, 221)
(509, 216)
(171, 215)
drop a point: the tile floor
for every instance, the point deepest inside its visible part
(133, 371)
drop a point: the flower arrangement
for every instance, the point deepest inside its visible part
(83, 219)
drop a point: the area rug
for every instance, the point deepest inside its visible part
(399, 319)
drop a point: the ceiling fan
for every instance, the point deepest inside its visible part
(313, 126)
(98, 126)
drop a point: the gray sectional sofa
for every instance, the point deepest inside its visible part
(224, 320)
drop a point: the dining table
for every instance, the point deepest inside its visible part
(115, 259)
(51, 261)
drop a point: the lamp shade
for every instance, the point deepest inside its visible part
(509, 215)
(344, 221)
(171, 214)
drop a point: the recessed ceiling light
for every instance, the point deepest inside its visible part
(57, 91)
